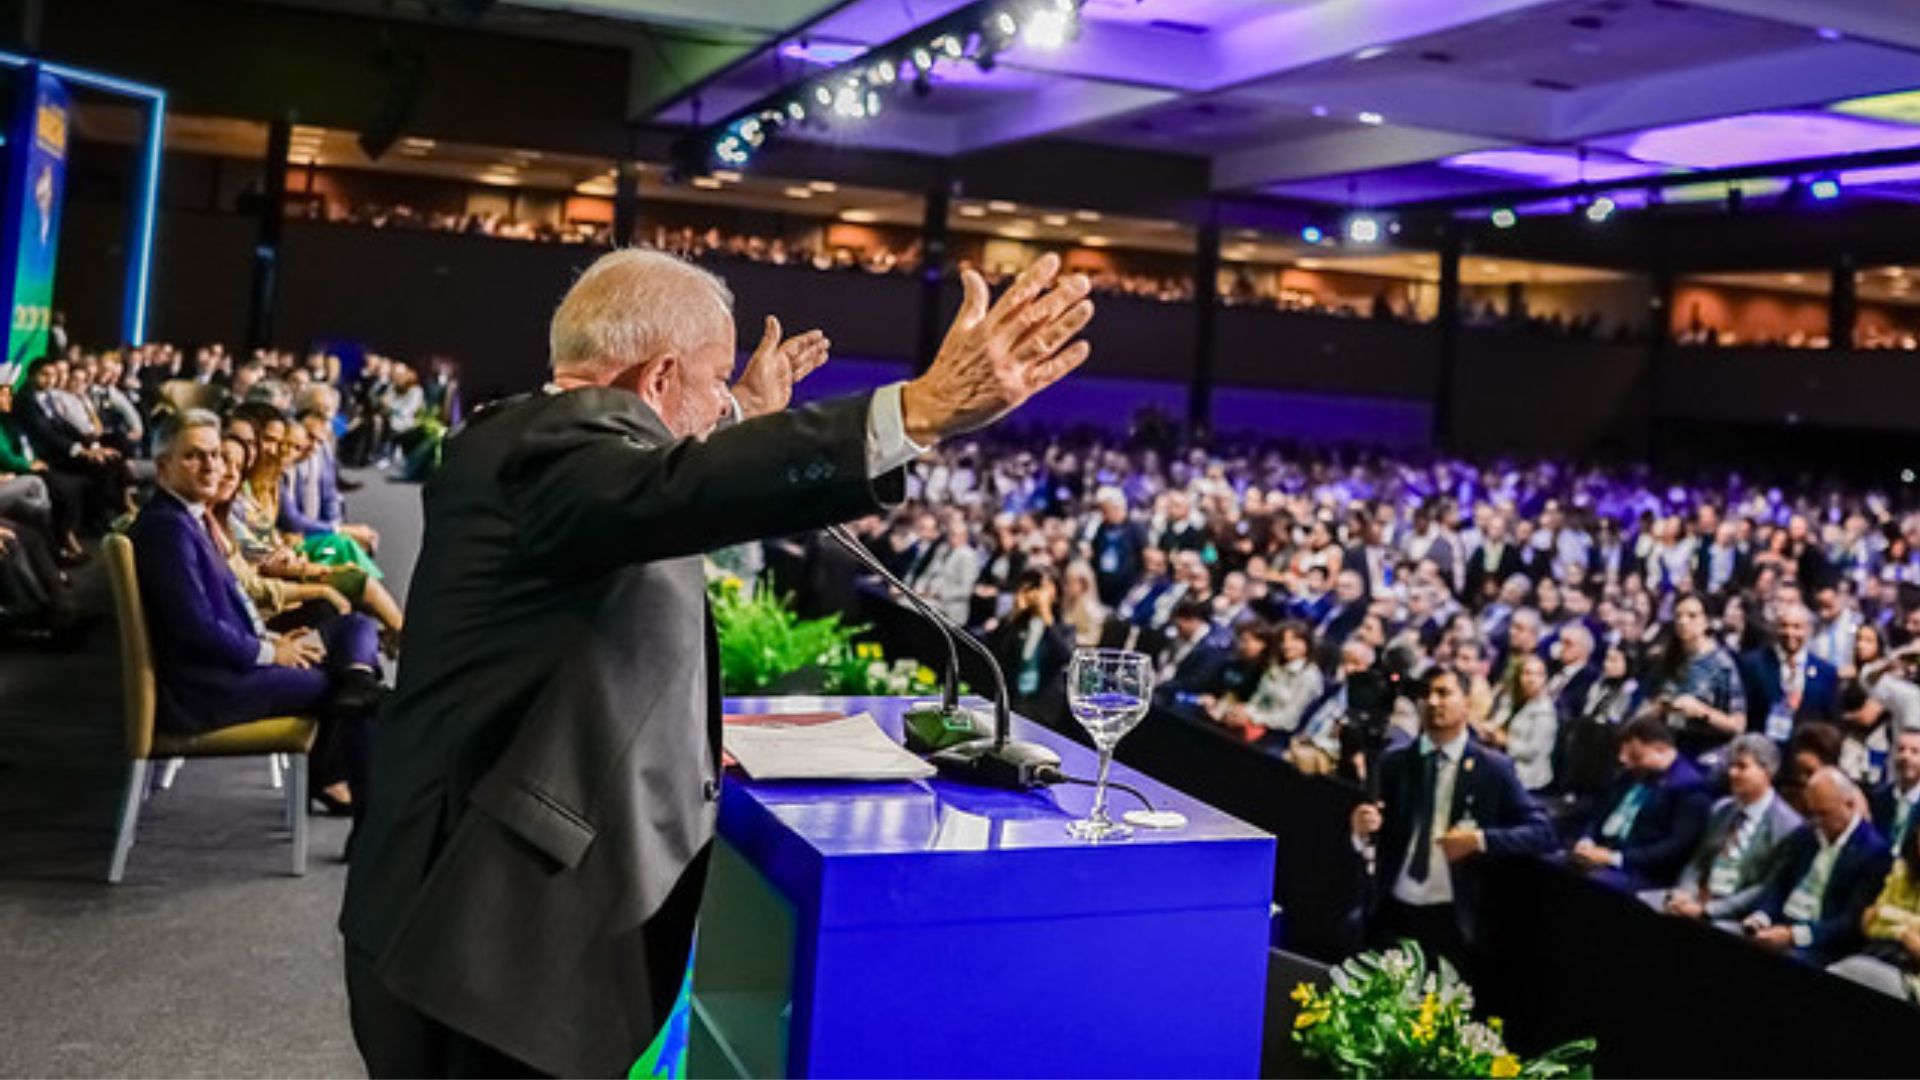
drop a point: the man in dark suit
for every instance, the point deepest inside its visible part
(1832, 869)
(523, 891)
(1192, 657)
(1343, 616)
(1369, 554)
(216, 663)
(1652, 819)
(1444, 803)
(1723, 565)
(1895, 805)
(1786, 684)
(1033, 648)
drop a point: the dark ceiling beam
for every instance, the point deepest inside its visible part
(650, 106)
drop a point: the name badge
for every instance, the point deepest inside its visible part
(1802, 906)
(1110, 561)
(1779, 724)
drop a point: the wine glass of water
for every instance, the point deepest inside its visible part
(1108, 691)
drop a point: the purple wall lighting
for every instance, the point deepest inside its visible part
(1548, 166)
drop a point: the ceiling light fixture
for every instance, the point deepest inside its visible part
(1002, 206)
(1313, 234)
(1363, 229)
(852, 88)
(1094, 241)
(1504, 218)
(859, 217)
(1087, 215)
(1372, 118)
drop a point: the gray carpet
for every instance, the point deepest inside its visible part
(210, 959)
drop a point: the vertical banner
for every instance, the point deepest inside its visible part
(37, 174)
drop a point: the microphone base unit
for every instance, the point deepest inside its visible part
(931, 728)
(1012, 765)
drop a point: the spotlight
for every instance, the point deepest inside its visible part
(884, 73)
(823, 95)
(1503, 218)
(796, 111)
(1003, 23)
(1049, 28)
(1364, 229)
(1600, 209)
(1312, 234)
(922, 61)
(873, 103)
(950, 45)
(1825, 189)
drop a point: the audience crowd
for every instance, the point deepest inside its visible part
(262, 597)
(1706, 693)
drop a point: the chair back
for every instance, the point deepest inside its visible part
(139, 692)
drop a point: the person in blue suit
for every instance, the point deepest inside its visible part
(1831, 871)
(1445, 803)
(1651, 821)
(1786, 684)
(216, 664)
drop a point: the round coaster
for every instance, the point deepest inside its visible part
(1155, 819)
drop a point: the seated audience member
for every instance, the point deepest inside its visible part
(1080, 608)
(1814, 746)
(1574, 673)
(53, 438)
(1345, 614)
(1288, 687)
(1786, 685)
(945, 578)
(1033, 648)
(1139, 603)
(1654, 817)
(1236, 680)
(310, 502)
(284, 605)
(1896, 804)
(30, 492)
(261, 500)
(1827, 877)
(1525, 725)
(1444, 802)
(1878, 703)
(1589, 743)
(1471, 660)
(1315, 746)
(1890, 960)
(1696, 688)
(1743, 843)
(216, 662)
(1190, 662)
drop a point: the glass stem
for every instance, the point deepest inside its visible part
(1099, 812)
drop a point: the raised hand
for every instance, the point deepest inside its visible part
(767, 383)
(996, 357)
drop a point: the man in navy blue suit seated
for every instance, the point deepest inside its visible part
(1786, 684)
(1831, 871)
(215, 662)
(1445, 802)
(1895, 805)
(1652, 819)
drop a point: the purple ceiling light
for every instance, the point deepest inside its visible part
(1762, 137)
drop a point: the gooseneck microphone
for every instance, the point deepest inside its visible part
(992, 760)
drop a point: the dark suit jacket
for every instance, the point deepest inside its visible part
(1882, 802)
(1703, 568)
(1478, 576)
(203, 638)
(1819, 698)
(543, 794)
(1667, 828)
(1484, 788)
(53, 438)
(1760, 861)
(1857, 876)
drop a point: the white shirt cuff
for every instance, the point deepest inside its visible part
(265, 659)
(888, 447)
(1802, 935)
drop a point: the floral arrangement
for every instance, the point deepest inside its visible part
(1387, 1015)
(766, 647)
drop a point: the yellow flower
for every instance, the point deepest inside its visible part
(1422, 1033)
(1496, 1023)
(1302, 993)
(731, 583)
(1308, 1018)
(1506, 1065)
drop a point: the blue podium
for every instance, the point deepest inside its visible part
(939, 929)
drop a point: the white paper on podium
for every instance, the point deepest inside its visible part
(850, 749)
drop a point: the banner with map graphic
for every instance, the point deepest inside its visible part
(37, 175)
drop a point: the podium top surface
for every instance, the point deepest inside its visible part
(909, 838)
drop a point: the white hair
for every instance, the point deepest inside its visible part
(632, 305)
(178, 425)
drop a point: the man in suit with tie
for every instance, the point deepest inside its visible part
(1832, 869)
(1492, 563)
(1652, 819)
(1743, 843)
(1895, 805)
(1444, 803)
(523, 891)
(215, 661)
(1786, 684)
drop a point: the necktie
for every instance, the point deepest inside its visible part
(1423, 835)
